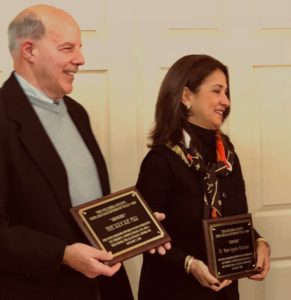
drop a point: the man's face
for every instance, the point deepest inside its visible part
(57, 57)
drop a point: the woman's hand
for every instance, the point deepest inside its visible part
(167, 246)
(263, 260)
(201, 272)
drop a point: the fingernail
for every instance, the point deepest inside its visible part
(259, 269)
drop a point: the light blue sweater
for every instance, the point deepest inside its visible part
(83, 178)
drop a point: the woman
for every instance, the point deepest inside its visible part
(188, 154)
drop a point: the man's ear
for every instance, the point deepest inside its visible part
(28, 50)
(187, 97)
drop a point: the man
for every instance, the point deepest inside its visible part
(49, 162)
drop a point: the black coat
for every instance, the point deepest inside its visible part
(35, 222)
(170, 186)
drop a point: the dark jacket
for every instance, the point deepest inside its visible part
(170, 186)
(35, 222)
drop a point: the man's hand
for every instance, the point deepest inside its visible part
(167, 246)
(89, 261)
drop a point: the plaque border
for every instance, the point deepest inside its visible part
(138, 248)
(208, 225)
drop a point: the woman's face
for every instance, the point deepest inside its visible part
(210, 101)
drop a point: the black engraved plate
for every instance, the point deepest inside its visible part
(230, 246)
(121, 223)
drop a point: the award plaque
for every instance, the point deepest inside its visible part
(230, 246)
(122, 223)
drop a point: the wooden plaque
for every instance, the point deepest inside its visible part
(122, 223)
(230, 246)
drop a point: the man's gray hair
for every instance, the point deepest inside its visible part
(26, 26)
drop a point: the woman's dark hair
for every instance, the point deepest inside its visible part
(171, 115)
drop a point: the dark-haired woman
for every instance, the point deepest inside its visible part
(192, 173)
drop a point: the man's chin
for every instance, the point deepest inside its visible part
(67, 91)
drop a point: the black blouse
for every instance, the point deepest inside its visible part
(206, 141)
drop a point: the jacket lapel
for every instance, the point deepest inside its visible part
(36, 141)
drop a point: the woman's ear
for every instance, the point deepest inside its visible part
(187, 96)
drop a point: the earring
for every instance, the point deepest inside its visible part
(188, 106)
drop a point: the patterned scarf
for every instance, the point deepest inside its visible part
(210, 173)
